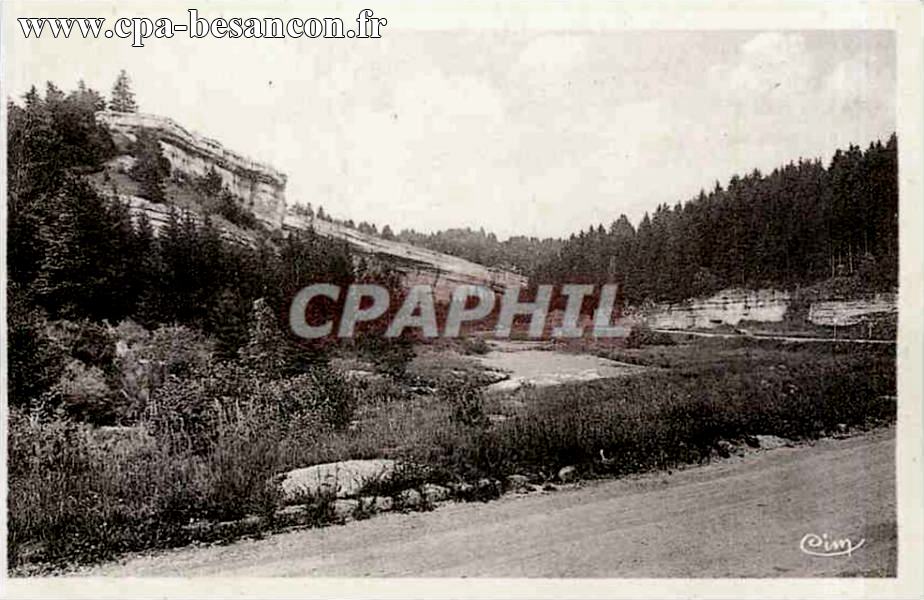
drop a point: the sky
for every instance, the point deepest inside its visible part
(520, 132)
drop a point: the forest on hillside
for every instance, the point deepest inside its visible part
(520, 254)
(80, 261)
(800, 225)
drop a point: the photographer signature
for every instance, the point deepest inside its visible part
(822, 545)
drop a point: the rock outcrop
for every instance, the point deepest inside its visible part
(851, 312)
(728, 307)
(261, 190)
(260, 187)
(419, 266)
(731, 307)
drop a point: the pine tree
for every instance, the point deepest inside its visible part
(267, 349)
(151, 167)
(122, 98)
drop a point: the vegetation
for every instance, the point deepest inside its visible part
(123, 98)
(216, 199)
(150, 168)
(154, 386)
(219, 435)
(800, 225)
(520, 254)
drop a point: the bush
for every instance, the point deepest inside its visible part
(641, 335)
(195, 409)
(475, 345)
(144, 361)
(91, 343)
(70, 500)
(377, 391)
(390, 356)
(35, 359)
(84, 395)
(467, 403)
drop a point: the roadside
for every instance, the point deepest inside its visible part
(742, 517)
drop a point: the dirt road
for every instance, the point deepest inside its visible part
(742, 517)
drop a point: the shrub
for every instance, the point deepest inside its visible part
(145, 360)
(35, 359)
(195, 409)
(89, 342)
(641, 335)
(475, 345)
(83, 394)
(390, 356)
(377, 391)
(467, 403)
(71, 500)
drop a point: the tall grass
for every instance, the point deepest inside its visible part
(76, 495)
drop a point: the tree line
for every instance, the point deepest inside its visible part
(799, 225)
(77, 255)
(520, 254)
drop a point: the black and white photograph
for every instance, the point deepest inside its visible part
(462, 299)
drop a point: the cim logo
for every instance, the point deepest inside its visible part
(821, 545)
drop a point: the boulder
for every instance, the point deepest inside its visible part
(345, 508)
(435, 493)
(291, 511)
(518, 483)
(487, 488)
(567, 474)
(341, 479)
(768, 442)
(410, 498)
(724, 448)
(378, 503)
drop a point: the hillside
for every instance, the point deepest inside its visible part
(260, 190)
(801, 225)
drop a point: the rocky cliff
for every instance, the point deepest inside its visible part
(260, 188)
(419, 266)
(732, 307)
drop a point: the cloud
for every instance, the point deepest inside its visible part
(858, 81)
(769, 63)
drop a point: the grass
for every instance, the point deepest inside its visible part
(76, 496)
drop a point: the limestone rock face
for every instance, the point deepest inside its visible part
(850, 312)
(260, 187)
(732, 306)
(418, 266)
(728, 307)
